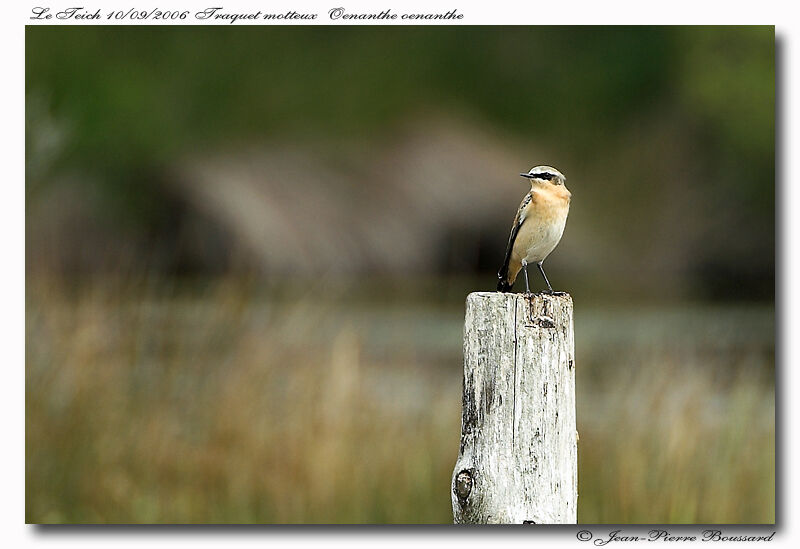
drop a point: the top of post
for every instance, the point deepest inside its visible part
(541, 310)
(503, 297)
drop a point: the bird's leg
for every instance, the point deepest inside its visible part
(541, 270)
(549, 287)
(525, 272)
(528, 294)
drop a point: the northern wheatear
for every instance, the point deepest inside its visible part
(537, 228)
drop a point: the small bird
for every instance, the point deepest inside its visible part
(537, 228)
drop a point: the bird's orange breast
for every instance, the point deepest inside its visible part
(549, 205)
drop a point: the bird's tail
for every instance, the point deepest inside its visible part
(502, 283)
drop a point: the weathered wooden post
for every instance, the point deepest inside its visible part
(519, 446)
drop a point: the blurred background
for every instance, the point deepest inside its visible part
(247, 254)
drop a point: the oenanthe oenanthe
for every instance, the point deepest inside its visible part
(538, 226)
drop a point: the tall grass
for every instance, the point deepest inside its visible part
(227, 404)
(679, 428)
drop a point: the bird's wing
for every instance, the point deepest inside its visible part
(518, 221)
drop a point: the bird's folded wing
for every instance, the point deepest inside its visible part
(518, 221)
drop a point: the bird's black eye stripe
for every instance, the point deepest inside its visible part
(545, 175)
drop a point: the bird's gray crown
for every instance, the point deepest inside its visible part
(545, 173)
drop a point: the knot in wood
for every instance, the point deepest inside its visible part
(463, 485)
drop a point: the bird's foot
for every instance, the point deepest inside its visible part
(551, 292)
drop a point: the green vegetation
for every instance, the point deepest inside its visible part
(132, 98)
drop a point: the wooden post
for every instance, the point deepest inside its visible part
(517, 463)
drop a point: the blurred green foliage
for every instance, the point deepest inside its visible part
(134, 97)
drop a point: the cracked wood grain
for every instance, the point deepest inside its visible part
(517, 459)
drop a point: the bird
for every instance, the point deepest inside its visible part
(537, 228)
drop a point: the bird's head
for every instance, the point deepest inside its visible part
(545, 175)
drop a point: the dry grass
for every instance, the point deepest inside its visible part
(678, 427)
(222, 404)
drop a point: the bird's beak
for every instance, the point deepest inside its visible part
(528, 175)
